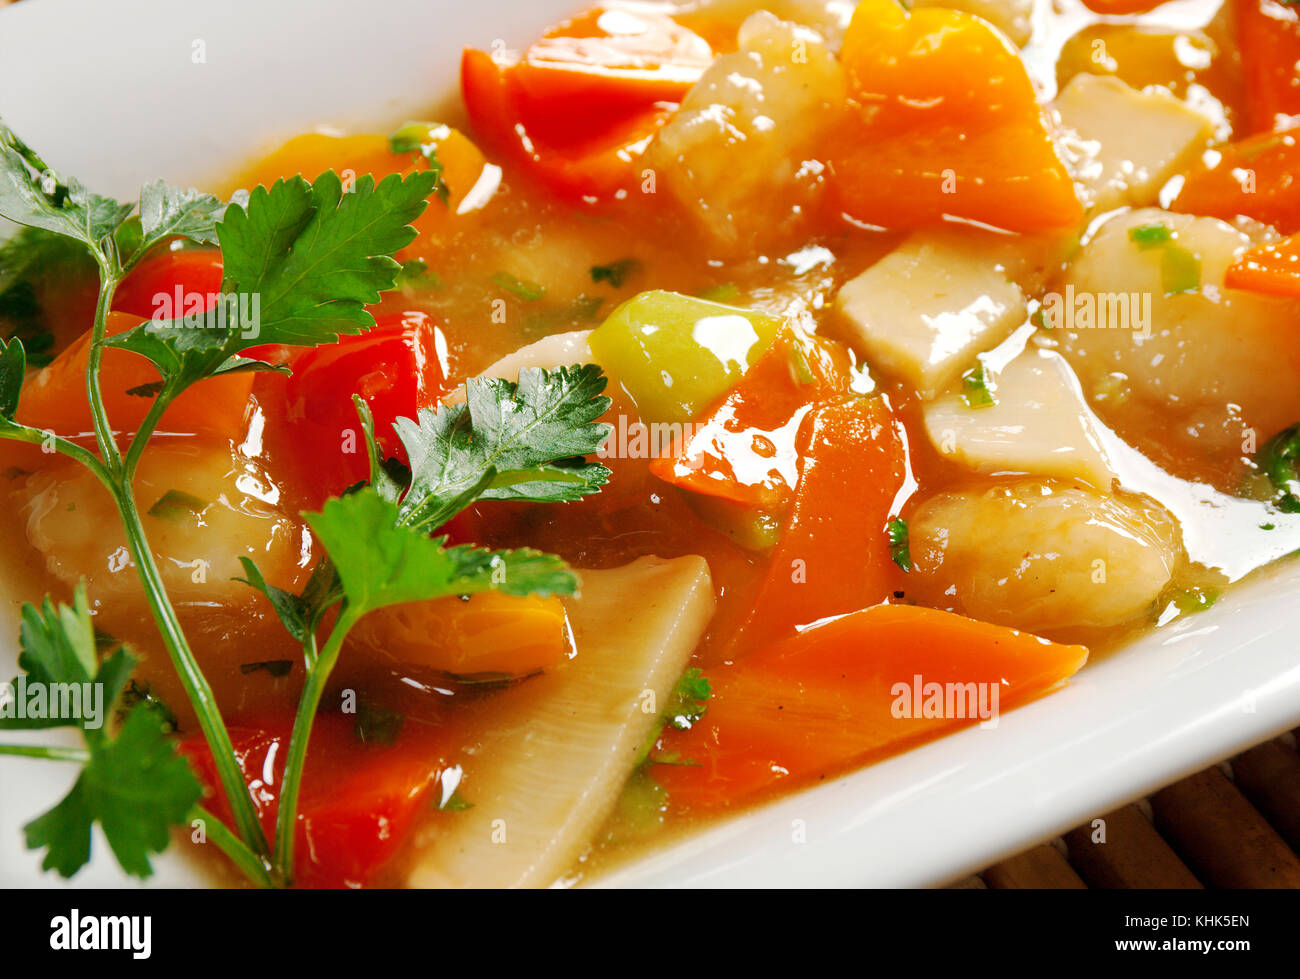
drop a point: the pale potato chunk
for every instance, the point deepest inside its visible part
(1040, 424)
(927, 308)
(739, 155)
(1203, 350)
(203, 507)
(1042, 556)
(1014, 18)
(1122, 145)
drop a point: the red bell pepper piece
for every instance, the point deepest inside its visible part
(398, 368)
(358, 800)
(579, 106)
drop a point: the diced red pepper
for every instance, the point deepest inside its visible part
(579, 106)
(398, 368)
(358, 801)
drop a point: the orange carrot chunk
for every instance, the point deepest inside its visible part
(850, 691)
(946, 124)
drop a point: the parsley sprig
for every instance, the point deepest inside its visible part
(314, 256)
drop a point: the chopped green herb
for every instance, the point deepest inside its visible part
(728, 292)
(689, 700)
(529, 291)
(416, 273)
(276, 667)
(1180, 270)
(1277, 460)
(175, 503)
(150, 390)
(640, 810)
(421, 138)
(1150, 235)
(1195, 599)
(377, 725)
(616, 272)
(899, 546)
(977, 388)
(456, 803)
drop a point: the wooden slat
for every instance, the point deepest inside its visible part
(1269, 776)
(1218, 834)
(1041, 867)
(1132, 854)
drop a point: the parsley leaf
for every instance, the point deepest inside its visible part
(523, 288)
(304, 260)
(300, 614)
(507, 441)
(382, 563)
(167, 211)
(31, 193)
(689, 699)
(135, 786)
(13, 367)
(422, 138)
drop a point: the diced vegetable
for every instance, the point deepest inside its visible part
(543, 783)
(1254, 177)
(744, 449)
(397, 368)
(947, 123)
(1272, 269)
(1268, 34)
(1123, 145)
(773, 102)
(675, 355)
(847, 691)
(485, 634)
(997, 555)
(1011, 17)
(1190, 344)
(1039, 423)
(55, 398)
(927, 308)
(834, 553)
(359, 799)
(578, 107)
(169, 282)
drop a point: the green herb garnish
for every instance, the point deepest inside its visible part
(528, 291)
(1150, 235)
(977, 388)
(616, 272)
(899, 546)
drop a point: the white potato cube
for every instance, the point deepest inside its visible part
(1039, 425)
(1122, 145)
(925, 310)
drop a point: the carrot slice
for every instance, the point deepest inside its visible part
(833, 555)
(1272, 269)
(849, 691)
(1258, 177)
(947, 124)
(1268, 37)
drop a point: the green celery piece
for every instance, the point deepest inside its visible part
(677, 354)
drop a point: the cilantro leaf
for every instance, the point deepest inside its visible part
(507, 441)
(135, 786)
(34, 195)
(381, 563)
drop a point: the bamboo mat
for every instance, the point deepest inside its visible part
(1236, 825)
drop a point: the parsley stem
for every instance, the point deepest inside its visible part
(250, 864)
(108, 279)
(36, 436)
(188, 670)
(50, 752)
(291, 782)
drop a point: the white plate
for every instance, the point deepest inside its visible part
(111, 92)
